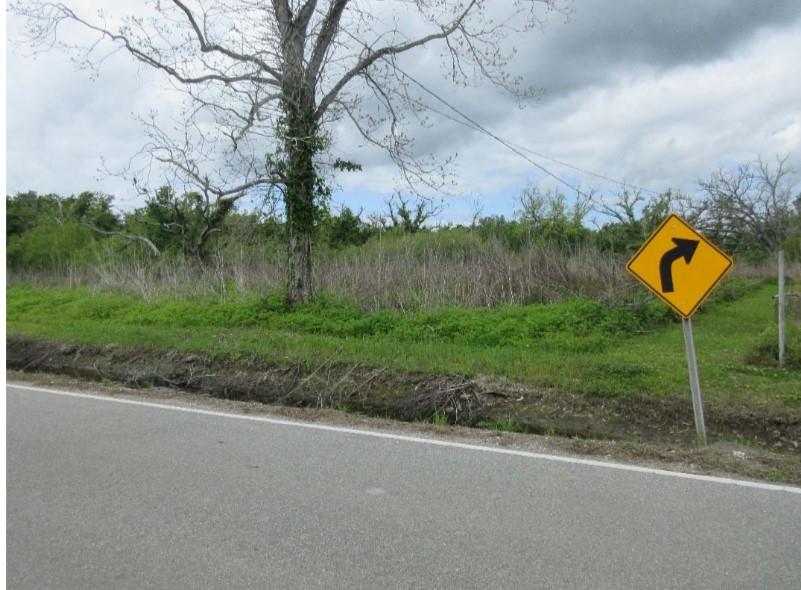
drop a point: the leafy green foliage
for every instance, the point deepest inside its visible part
(45, 232)
(47, 247)
(576, 324)
(25, 211)
(551, 220)
(186, 224)
(345, 229)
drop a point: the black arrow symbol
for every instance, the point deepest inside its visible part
(684, 249)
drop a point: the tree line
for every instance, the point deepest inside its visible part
(750, 211)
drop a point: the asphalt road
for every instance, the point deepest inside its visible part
(113, 495)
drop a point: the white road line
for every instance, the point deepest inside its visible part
(421, 440)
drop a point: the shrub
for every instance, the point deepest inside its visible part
(766, 352)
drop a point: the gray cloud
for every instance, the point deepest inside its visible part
(605, 38)
(602, 42)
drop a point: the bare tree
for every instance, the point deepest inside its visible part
(537, 206)
(750, 207)
(632, 208)
(410, 219)
(265, 80)
(477, 210)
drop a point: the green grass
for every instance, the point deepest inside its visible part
(506, 424)
(439, 418)
(572, 324)
(576, 346)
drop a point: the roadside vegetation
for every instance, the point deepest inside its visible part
(577, 345)
(529, 324)
(179, 246)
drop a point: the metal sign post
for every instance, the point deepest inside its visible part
(781, 308)
(695, 384)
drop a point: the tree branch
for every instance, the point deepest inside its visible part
(325, 38)
(207, 47)
(372, 57)
(133, 237)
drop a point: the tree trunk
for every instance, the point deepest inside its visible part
(300, 146)
(299, 269)
(301, 142)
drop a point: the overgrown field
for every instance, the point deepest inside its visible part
(577, 346)
(450, 267)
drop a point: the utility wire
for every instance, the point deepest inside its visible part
(471, 123)
(621, 183)
(489, 133)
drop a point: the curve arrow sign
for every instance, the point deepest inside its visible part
(684, 249)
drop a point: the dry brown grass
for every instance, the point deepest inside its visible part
(406, 273)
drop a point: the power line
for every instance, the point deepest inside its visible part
(536, 153)
(621, 183)
(476, 125)
(471, 123)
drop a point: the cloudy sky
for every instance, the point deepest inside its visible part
(656, 94)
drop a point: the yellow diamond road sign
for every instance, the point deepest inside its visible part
(679, 265)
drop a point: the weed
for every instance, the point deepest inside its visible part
(507, 424)
(574, 324)
(340, 407)
(439, 418)
(766, 352)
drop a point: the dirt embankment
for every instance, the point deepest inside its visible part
(411, 397)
